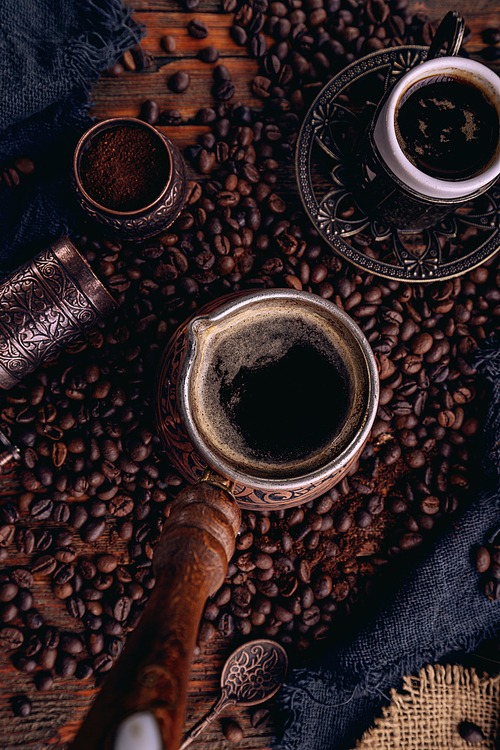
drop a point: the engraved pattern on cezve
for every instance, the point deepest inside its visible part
(436, 253)
(41, 310)
(266, 664)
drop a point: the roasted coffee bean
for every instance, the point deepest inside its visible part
(65, 554)
(150, 111)
(168, 43)
(483, 559)
(197, 29)
(75, 607)
(93, 531)
(239, 34)
(223, 91)
(106, 563)
(11, 638)
(8, 592)
(63, 574)
(79, 517)
(71, 643)
(470, 732)
(121, 608)
(44, 681)
(9, 513)
(25, 541)
(115, 647)
(258, 48)
(47, 658)
(25, 664)
(179, 82)
(32, 646)
(209, 54)
(51, 638)
(42, 509)
(33, 620)
(410, 541)
(103, 663)
(66, 665)
(95, 643)
(232, 731)
(83, 671)
(21, 706)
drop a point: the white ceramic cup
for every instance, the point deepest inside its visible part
(390, 152)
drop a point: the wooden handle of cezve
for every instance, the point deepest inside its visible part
(141, 704)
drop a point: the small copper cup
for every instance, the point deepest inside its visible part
(45, 305)
(147, 220)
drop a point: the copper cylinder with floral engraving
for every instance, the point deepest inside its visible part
(45, 305)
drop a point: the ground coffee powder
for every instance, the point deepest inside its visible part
(124, 168)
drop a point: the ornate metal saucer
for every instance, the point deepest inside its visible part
(252, 674)
(324, 164)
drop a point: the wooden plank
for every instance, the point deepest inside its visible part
(114, 97)
(173, 6)
(162, 23)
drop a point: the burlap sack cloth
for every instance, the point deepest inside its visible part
(426, 715)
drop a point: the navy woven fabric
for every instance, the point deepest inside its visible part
(437, 610)
(51, 52)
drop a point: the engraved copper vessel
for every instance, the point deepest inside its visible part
(177, 402)
(44, 305)
(150, 219)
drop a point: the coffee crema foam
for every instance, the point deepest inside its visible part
(273, 392)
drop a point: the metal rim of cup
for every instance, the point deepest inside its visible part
(338, 462)
(108, 124)
(386, 142)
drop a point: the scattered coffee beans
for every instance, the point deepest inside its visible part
(93, 468)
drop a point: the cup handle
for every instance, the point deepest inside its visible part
(450, 32)
(141, 704)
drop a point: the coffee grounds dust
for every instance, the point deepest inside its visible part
(124, 168)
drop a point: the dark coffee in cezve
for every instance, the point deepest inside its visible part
(447, 127)
(287, 407)
(275, 392)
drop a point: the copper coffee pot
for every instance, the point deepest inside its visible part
(149, 681)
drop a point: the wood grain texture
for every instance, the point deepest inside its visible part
(114, 97)
(160, 23)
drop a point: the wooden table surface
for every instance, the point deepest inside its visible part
(57, 714)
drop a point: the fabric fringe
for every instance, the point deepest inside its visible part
(113, 33)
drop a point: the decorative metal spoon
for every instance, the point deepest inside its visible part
(251, 675)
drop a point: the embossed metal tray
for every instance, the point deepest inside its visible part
(339, 114)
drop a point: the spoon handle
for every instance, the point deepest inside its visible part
(200, 727)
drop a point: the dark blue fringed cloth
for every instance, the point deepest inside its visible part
(51, 52)
(436, 610)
